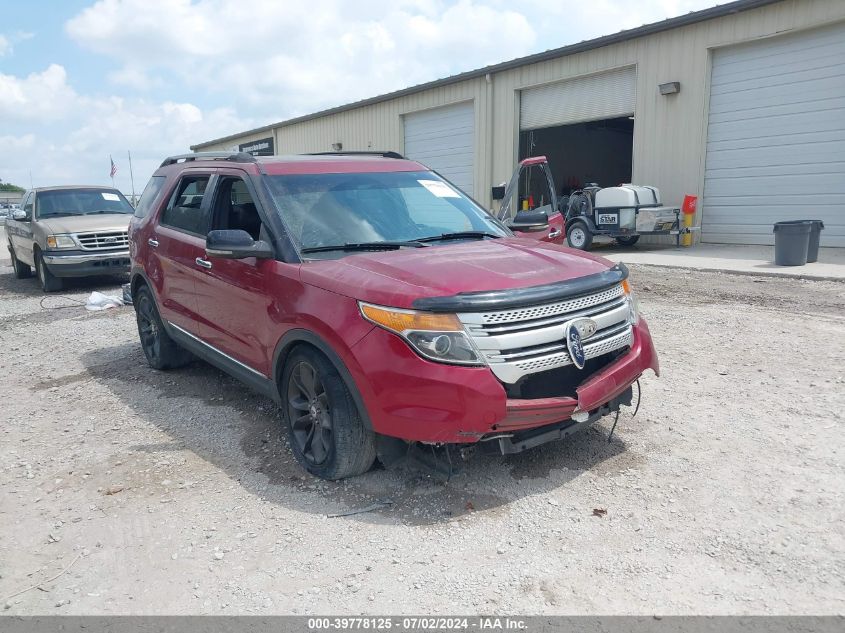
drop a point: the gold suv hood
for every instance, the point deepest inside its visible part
(87, 223)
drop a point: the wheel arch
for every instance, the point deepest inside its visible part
(294, 338)
(137, 280)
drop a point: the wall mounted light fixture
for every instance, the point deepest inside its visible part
(670, 88)
(337, 146)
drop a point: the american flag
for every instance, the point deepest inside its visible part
(113, 167)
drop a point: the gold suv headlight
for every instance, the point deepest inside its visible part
(60, 241)
(438, 337)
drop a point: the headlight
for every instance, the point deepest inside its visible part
(60, 241)
(438, 337)
(633, 304)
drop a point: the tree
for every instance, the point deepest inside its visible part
(7, 186)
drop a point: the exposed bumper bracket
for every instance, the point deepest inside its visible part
(525, 440)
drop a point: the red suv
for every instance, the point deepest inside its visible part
(381, 307)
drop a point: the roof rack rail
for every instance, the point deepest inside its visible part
(383, 154)
(237, 157)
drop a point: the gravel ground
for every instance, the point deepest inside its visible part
(172, 492)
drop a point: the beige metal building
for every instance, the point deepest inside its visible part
(742, 105)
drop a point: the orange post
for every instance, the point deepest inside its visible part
(688, 209)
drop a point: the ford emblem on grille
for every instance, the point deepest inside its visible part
(576, 331)
(110, 240)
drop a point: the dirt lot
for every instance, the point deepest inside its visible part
(173, 492)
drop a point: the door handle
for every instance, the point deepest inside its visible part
(203, 262)
(152, 242)
(554, 233)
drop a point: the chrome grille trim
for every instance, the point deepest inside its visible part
(555, 320)
(523, 341)
(103, 240)
(561, 359)
(599, 337)
(536, 312)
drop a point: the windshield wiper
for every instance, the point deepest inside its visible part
(460, 235)
(363, 246)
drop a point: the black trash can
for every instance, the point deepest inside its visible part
(792, 242)
(815, 235)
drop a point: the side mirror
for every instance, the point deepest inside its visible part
(529, 221)
(236, 244)
(20, 215)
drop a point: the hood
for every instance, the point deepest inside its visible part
(398, 278)
(87, 223)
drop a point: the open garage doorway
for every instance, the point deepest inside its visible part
(582, 153)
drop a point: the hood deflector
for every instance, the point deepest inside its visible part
(524, 297)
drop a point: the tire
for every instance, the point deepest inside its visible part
(49, 282)
(22, 271)
(628, 241)
(162, 352)
(325, 430)
(579, 236)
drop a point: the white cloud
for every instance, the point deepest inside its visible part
(43, 96)
(287, 58)
(262, 60)
(65, 138)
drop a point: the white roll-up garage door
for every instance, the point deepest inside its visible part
(600, 96)
(776, 138)
(444, 140)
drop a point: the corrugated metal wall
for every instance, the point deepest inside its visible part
(669, 131)
(444, 140)
(776, 139)
(601, 96)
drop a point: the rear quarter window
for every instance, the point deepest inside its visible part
(150, 196)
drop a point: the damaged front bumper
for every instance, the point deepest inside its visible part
(512, 443)
(415, 400)
(601, 388)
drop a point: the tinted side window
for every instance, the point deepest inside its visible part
(184, 212)
(234, 208)
(150, 196)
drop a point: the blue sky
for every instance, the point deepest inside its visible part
(80, 80)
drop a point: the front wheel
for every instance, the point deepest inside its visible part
(22, 271)
(579, 236)
(628, 241)
(49, 282)
(325, 430)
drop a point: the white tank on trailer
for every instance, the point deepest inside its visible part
(627, 195)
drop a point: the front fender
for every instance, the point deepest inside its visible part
(298, 336)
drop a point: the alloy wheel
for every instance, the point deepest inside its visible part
(309, 412)
(148, 329)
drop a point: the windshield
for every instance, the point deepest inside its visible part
(324, 210)
(62, 202)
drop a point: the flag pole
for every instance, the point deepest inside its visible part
(111, 171)
(131, 177)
